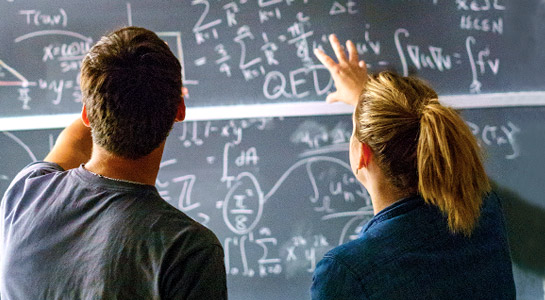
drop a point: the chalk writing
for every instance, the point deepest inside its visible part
(253, 246)
(204, 31)
(38, 18)
(498, 136)
(337, 8)
(468, 22)
(433, 58)
(278, 192)
(481, 63)
(267, 45)
(479, 5)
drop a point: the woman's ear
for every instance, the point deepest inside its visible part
(84, 117)
(365, 156)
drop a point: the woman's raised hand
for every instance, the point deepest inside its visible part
(349, 74)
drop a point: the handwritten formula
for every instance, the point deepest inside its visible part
(251, 52)
(278, 192)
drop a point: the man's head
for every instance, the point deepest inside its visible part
(132, 91)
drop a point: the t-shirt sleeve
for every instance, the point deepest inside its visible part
(36, 169)
(334, 280)
(199, 275)
(16, 186)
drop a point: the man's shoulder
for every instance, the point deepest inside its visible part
(37, 168)
(34, 171)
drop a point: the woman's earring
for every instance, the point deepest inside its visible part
(357, 171)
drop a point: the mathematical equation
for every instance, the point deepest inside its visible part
(278, 192)
(247, 200)
(261, 176)
(261, 51)
(503, 136)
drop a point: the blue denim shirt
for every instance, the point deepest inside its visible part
(407, 252)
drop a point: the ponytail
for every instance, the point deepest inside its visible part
(423, 147)
(450, 172)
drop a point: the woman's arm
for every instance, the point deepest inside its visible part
(349, 74)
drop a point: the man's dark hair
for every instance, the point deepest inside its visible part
(131, 85)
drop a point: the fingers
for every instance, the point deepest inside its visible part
(352, 52)
(327, 61)
(337, 48)
(363, 66)
(332, 97)
(185, 91)
(330, 64)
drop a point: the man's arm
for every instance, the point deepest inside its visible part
(73, 146)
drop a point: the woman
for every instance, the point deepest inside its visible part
(438, 232)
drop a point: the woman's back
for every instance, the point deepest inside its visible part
(407, 252)
(437, 233)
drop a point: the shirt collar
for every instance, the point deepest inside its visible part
(399, 207)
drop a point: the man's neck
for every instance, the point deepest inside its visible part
(143, 170)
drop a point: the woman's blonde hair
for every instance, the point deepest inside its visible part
(423, 147)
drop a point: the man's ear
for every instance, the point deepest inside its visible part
(84, 116)
(366, 154)
(180, 114)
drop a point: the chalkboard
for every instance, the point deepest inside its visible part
(279, 192)
(254, 52)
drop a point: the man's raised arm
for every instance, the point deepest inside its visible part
(73, 146)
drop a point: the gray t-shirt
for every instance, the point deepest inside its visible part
(75, 235)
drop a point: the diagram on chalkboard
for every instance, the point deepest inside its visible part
(276, 211)
(10, 76)
(246, 192)
(291, 195)
(12, 145)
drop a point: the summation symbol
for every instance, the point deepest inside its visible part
(199, 27)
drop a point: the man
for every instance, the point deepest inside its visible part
(88, 222)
